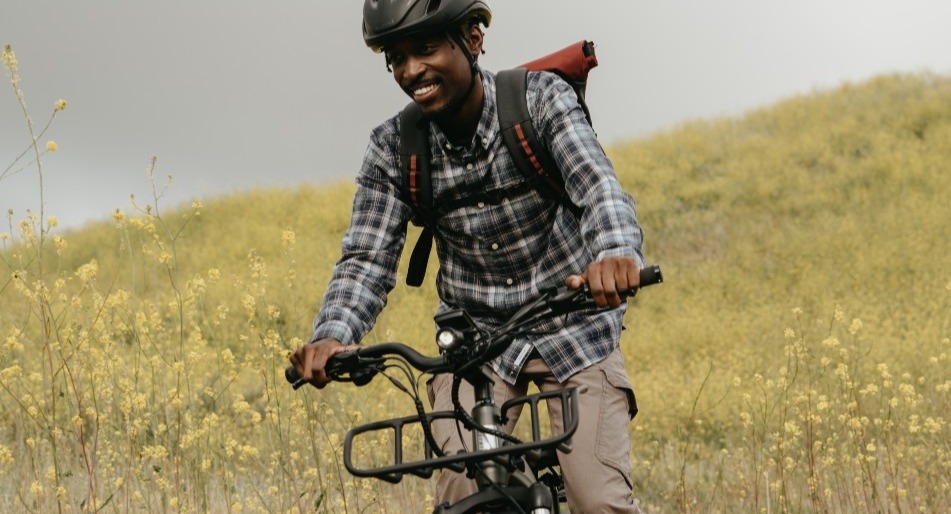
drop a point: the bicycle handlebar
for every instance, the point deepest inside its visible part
(361, 365)
(352, 362)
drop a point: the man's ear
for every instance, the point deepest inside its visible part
(474, 38)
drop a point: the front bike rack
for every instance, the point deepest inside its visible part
(533, 451)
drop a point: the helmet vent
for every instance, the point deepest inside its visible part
(433, 6)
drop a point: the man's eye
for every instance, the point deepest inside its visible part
(394, 59)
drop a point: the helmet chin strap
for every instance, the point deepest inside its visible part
(454, 108)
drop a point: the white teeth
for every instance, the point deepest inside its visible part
(424, 90)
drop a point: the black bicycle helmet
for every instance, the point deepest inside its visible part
(388, 21)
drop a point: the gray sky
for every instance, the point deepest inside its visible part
(231, 94)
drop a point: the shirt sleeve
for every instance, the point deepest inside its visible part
(609, 224)
(371, 248)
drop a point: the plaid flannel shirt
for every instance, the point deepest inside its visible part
(493, 257)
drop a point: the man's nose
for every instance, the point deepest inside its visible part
(414, 68)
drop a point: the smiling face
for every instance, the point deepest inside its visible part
(435, 73)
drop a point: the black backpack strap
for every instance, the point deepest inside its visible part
(518, 132)
(414, 161)
(417, 186)
(419, 259)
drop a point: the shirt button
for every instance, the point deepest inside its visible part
(485, 141)
(509, 281)
(469, 166)
(495, 246)
(481, 205)
(448, 146)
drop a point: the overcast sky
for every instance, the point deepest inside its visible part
(230, 95)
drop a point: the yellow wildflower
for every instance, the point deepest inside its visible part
(288, 238)
(933, 426)
(6, 455)
(249, 304)
(51, 146)
(855, 326)
(838, 315)
(842, 371)
(88, 271)
(60, 243)
(13, 343)
(9, 59)
(60, 104)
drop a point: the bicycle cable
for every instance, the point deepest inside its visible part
(417, 402)
(478, 469)
(471, 423)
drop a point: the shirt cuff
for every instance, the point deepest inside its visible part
(621, 251)
(334, 330)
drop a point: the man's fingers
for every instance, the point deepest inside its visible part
(596, 284)
(611, 294)
(608, 279)
(298, 360)
(609, 285)
(576, 281)
(633, 279)
(321, 379)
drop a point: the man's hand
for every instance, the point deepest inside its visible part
(605, 278)
(311, 359)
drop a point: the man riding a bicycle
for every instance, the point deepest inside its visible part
(494, 257)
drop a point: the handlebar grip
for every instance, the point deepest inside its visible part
(291, 375)
(651, 275)
(648, 276)
(359, 377)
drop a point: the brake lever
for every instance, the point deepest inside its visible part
(352, 367)
(339, 369)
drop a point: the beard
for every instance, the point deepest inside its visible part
(454, 105)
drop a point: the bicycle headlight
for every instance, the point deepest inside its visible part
(447, 338)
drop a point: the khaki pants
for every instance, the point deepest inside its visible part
(597, 472)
